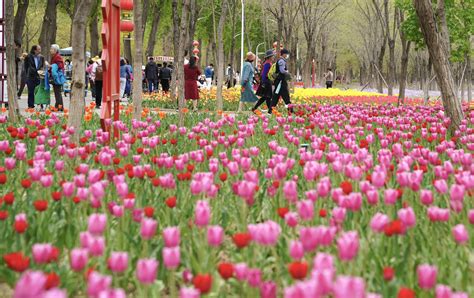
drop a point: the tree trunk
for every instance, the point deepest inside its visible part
(127, 47)
(443, 26)
(94, 34)
(138, 58)
(220, 55)
(49, 28)
(79, 26)
(176, 52)
(469, 77)
(380, 59)
(13, 111)
(193, 16)
(150, 49)
(145, 8)
(232, 42)
(20, 19)
(404, 59)
(442, 68)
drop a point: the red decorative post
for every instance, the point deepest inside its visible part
(111, 60)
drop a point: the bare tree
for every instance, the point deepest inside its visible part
(138, 58)
(404, 59)
(220, 55)
(439, 53)
(49, 28)
(93, 29)
(20, 19)
(157, 8)
(79, 26)
(13, 112)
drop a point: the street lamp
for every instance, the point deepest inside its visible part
(242, 40)
(256, 53)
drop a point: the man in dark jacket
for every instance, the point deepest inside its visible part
(165, 77)
(151, 75)
(281, 82)
(33, 63)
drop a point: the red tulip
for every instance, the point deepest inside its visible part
(52, 281)
(226, 270)
(406, 293)
(16, 261)
(241, 240)
(149, 211)
(282, 212)
(346, 187)
(20, 226)
(203, 282)
(3, 178)
(26, 183)
(9, 198)
(388, 273)
(298, 270)
(3, 214)
(171, 202)
(223, 177)
(56, 195)
(40, 205)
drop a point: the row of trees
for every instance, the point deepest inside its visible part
(379, 41)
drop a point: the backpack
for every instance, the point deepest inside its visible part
(273, 72)
(99, 72)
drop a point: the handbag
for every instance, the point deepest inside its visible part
(42, 95)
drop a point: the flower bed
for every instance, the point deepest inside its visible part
(342, 200)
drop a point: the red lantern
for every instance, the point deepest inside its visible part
(196, 51)
(196, 43)
(126, 26)
(126, 4)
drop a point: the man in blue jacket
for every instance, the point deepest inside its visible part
(281, 82)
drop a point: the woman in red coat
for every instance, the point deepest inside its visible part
(191, 74)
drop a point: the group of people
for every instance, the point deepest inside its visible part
(156, 75)
(36, 73)
(272, 85)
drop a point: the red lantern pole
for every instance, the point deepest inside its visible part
(111, 59)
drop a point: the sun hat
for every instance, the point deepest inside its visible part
(269, 53)
(96, 58)
(250, 56)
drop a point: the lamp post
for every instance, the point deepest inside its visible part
(256, 53)
(242, 39)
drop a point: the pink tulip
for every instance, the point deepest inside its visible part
(187, 276)
(265, 233)
(146, 270)
(378, 178)
(97, 223)
(460, 234)
(68, 189)
(148, 228)
(348, 286)
(241, 271)
(97, 283)
(189, 293)
(426, 276)
(296, 250)
(348, 245)
(306, 209)
(112, 293)
(10, 163)
(268, 289)
(291, 219)
(215, 235)
(290, 191)
(372, 197)
(118, 261)
(426, 197)
(407, 216)
(202, 213)
(443, 291)
(470, 215)
(117, 211)
(441, 186)
(30, 284)
(438, 214)
(390, 196)
(79, 258)
(96, 246)
(42, 252)
(457, 192)
(55, 293)
(378, 222)
(339, 214)
(254, 277)
(171, 257)
(323, 188)
(456, 206)
(171, 236)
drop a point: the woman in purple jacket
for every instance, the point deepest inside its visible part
(265, 87)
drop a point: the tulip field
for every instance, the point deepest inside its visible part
(349, 197)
